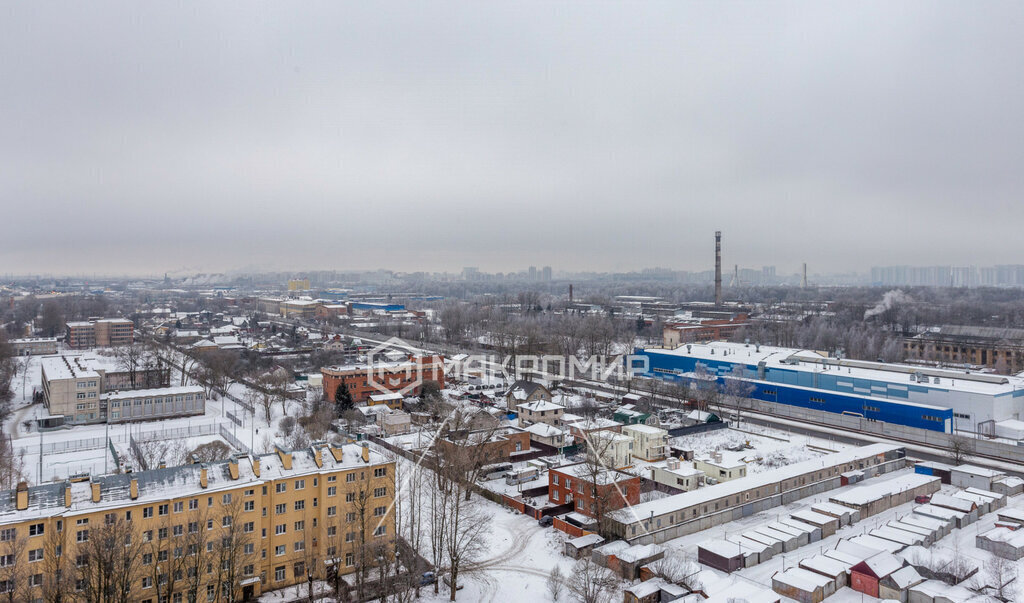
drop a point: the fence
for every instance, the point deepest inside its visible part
(698, 428)
(234, 419)
(166, 433)
(231, 439)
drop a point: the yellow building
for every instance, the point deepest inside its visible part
(298, 284)
(223, 531)
(300, 308)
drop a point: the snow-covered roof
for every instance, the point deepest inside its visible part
(540, 406)
(882, 564)
(670, 504)
(155, 392)
(585, 541)
(979, 471)
(905, 577)
(801, 579)
(866, 493)
(543, 430)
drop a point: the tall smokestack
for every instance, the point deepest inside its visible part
(718, 267)
(570, 293)
(805, 276)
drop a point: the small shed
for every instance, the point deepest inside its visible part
(720, 554)
(851, 477)
(803, 585)
(580, 548)
(955, 518)
(844, 514)
(764, 551)
(939, 527)
(996, 500)
(1002, 542)
(852, 550)
(967, 476)
(834, 569)
(866, 575)
(1009, 485)
(774, 545)
(939, 470)
(897, 585)
(802, 537)
(879, 544)
(637, 556)
(606, 555)
(928, 535)
(967, 507)
(935, 591)
(897, 535)
(655, 590)
(788, 540)
(826, 523)
(813, 532)
(983, 503)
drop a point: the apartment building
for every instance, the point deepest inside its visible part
(103, 332)
(397, 377)
(73, 385)
(151, 404)
(298, 308)
(225, 531)
(649, 443)
(34, 345)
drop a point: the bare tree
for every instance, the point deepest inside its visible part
(109, 559)
(737, 391)
(555, 583)
(14, 569)
(58, 572)
(235, 560)
(590, 583)
(198, 557)
(676, 568)
(1002, 573)
(960, 449)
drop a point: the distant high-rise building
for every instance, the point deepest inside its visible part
(546, 273)
(532, 273)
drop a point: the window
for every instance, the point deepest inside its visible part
(380, 511)
(300, 545)
(351, 477)
(378, 492)
(250, 505)
(331, 479)
(226, 499)
(280, 508)
(280, 528)
(248, 527)
(82, 536)
(332, 511)
(350, 516)
(147, 512)
(279, 573)
(178, 530)
(225, 522)
(8, 534)
(179, 507)
(36, 529)
(280, 550)
(350, 559)
(350, 497)
(193, 504)
(332, 490)
(35, 555)
(163, 509)
(35, 580)
(380, 531)
(300, 525)
(147, 582)
(554, 478)
(332, 531)
(300, 484)
(300, 505)
(380, 472)
(280, 487)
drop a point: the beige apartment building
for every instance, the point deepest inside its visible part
(224, 531)
(78, 386)
(104, 332)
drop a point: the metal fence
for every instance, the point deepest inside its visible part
(234, 419)
(231, 439)
(166, 433)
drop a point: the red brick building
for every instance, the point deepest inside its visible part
(393, 376)
(576, 484)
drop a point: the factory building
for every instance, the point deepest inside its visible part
(934, 399)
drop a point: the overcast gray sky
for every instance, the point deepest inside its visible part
(144, 137)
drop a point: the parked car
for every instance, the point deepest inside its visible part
(427, 578)
(546, 521)
(922, 499)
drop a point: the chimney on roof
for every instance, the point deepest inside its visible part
(95, 491)
(203, 480)
(233, 467)
(67, 494)
(133, 490)
(318, 456)
(366, 452)
(285, 456)
(21, 496)
(256, 466)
